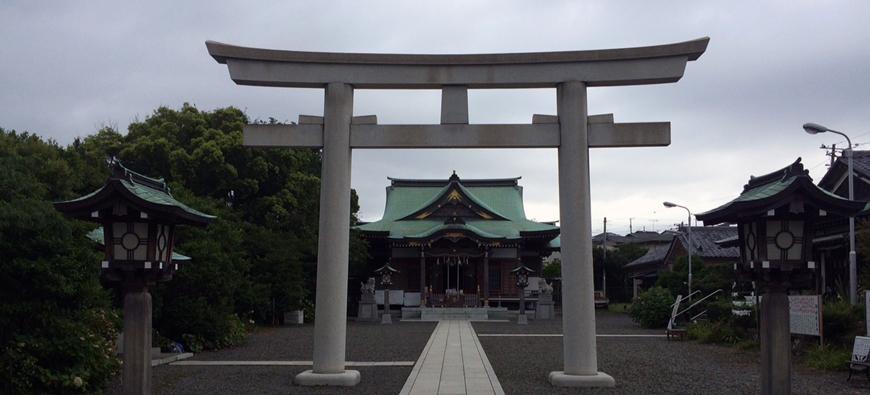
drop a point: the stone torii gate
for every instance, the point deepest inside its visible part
(571, 131)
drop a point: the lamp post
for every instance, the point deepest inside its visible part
(138, 216)
(386, 273)
(688, 242)
(522, 272)
(814, 128)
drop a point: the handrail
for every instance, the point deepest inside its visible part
(699, 301)
(686, 297)
(698, 315)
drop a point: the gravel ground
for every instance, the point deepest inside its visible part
(641, 365)
(605, 323)
(401, 341)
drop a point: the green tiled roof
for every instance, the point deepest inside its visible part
(160, 197)
(765, 192)
(96, 235)
(150, 193)
(503, 200)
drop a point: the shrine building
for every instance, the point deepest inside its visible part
(455, 242)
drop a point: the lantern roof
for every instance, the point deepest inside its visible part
(150, 195)
(775, 189)
(386, 268)
(522, 268)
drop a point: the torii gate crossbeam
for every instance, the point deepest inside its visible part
(571, 131)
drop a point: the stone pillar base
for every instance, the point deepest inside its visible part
(560, 379)
(522, 319)
(348, 378)
(386, 318)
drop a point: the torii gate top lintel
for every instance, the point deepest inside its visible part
(603, 67)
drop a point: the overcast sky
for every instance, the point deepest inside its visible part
(67, 68)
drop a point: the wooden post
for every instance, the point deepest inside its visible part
(136, 375)
(486, 278)
(422, 278)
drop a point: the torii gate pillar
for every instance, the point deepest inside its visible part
(333, 245)
(573, 132)
(575, 222)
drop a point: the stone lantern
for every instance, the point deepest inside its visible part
(386, 272)
(138, 216)
(522, 274)
(776, 215)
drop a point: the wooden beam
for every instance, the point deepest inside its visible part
(541, 135)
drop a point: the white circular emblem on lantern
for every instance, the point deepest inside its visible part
(130, 241)
(784, 240)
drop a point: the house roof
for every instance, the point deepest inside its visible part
(860, 163)
(654, 257)
(643, 236)
(151, 194)
(96, 236)
(705, 238)
(774, 189)
(612, 238)
(499, 203)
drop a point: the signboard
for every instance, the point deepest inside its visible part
(861, 349)
(805, 314)
(867, 307)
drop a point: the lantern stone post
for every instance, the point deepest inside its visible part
(522, 273)
(138, 215)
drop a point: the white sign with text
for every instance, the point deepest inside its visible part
(805, 314)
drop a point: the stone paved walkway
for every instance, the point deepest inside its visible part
(453, 362)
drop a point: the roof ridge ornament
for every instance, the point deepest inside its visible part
(796, 169)
(454, 177)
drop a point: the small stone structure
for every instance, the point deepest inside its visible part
(368, 309)
(544, 309)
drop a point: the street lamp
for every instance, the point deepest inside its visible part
(522, 273)
(814, 128)
(386, 272)
(688, 241)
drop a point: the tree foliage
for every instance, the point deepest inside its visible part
(706, 278)
(618, 284)
(256, 261)
(652, 308)
(57, 328)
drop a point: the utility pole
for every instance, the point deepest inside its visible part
(832, 154)
(604, 261)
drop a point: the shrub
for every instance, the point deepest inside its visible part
(652, 308)
(719, 332)
(842, 322)
(827, 357)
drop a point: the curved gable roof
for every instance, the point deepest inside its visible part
(501, 197)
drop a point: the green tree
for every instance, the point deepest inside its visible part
(552, 270)
(618, 283)
(57, 328)
(652, 308)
